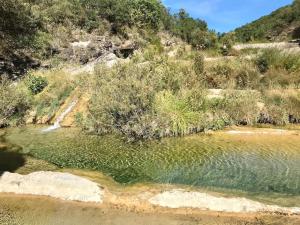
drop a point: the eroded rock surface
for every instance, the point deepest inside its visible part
(64, 186)
(185, 199)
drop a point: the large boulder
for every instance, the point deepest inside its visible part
(87, 49)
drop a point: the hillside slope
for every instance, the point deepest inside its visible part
(282, 24)
(32, 32)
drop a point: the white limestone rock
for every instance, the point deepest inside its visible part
(63, 186)
(203, 201)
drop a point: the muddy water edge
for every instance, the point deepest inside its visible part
(26, 210)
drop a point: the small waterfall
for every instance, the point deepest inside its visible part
(56, 125)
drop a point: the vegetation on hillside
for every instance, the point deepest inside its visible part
(166, 88)
(158, 98)
(14, 103)
(283, 23)
(30, 23)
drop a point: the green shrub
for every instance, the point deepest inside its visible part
(203, 39)
(126, 99)
(262, 64)
(293, 105)
(247, 77)
(18, 24)
(146, 13)
(36, 84)
(14, 103)
(122, 101)
(178, 114)
(279, 68)
(79, 119)
(55, 93)
(228, 40)
(276, 110)
(240, 107)
(280, 106)
(276, 59)
(199, 64)
(224, 51)
(219, 76)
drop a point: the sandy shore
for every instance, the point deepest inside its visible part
(261, 131)
(36, 210)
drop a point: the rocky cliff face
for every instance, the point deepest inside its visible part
(15, 65)
(81, 49)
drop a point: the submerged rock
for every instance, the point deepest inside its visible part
(64, 186)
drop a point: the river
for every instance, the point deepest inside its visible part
(259, 165)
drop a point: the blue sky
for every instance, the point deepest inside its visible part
(225, 15)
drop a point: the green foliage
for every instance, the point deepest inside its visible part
(146, 100)
(199, 64)
(219, 75)
(193, 31)
(14, 103)
(18, 25)
(146, 13)
(34, 26)
(262, 64)
(36, 84)
(279, 68)
(276, 111)
(158, 99)
(87, 14)
(123, 99)
(186, 25)
(268, 70)
(181, 117)
(271, 26)
(241, 107)
(246, 76)
(203, 39)
(227, 41)
(79, 119)
(54, 94)
(281, 106)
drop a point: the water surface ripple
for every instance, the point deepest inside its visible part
(251, 163)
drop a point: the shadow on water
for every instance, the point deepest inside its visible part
(10, 161)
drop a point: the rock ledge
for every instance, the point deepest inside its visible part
(64, 186)
(203, 201)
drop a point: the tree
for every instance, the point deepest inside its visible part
(203, 39)
(17, 23)
(189, 28)
(146, 13)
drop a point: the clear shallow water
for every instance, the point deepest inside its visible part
(252, 163)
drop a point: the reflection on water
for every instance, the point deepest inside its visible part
(253, 163)
(9, 160)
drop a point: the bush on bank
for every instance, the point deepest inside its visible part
(147, 100)
(14, 103)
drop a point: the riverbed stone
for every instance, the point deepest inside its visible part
(63, 186)
(178, 198)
